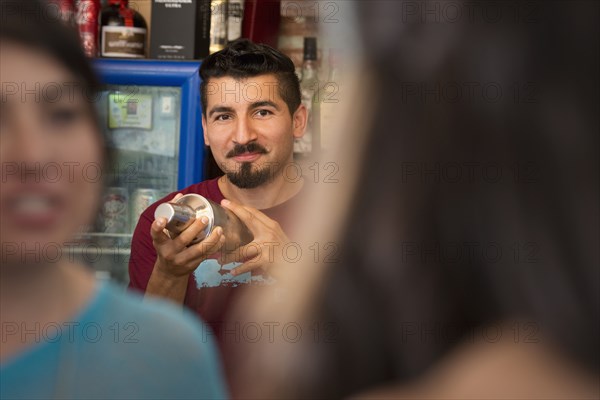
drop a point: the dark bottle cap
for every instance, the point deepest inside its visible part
(310, 48)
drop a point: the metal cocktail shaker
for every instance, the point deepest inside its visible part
(181, 213)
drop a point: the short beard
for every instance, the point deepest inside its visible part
(247, 178)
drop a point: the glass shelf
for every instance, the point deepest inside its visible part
(103, 234)
(103, 251)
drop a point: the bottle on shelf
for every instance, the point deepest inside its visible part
(87, 12)
(328, 99)
(180, 30)
(309, 84)
(235, 14)
(218, 25)
(122, 31)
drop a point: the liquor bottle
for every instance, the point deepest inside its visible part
(308, 86)
(329, 99)
(235, 14)
(87, 12)
(218, 25)
(180, 30)
(122, 31)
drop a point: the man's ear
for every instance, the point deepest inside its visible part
(204, 130)
(299, 120)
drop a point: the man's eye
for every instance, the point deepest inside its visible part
(264, 113)
(223, 117)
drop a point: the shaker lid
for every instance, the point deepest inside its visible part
(164, 210)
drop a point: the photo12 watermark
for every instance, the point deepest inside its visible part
(473, 251)
(420, 332)
(322, 171)
(272, 331)
(468, 172)
(90, 252)
(70, 332)
(69, 172)
(469, 92)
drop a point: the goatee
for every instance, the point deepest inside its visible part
(246, 177)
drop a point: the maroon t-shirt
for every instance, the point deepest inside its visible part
(211, 289)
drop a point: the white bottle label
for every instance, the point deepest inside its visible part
(123, 41)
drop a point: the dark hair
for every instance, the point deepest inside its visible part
(244, 59)
(542, 214)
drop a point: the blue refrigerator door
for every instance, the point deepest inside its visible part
(150, 113)
(134, 77)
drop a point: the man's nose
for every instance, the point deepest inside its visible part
(244, 133)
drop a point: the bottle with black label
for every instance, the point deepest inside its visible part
(122, 31)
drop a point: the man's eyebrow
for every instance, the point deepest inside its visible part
(264, 103)
(219, 109)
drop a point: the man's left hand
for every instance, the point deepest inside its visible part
(266, 248)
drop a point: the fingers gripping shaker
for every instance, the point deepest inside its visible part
(181, 213)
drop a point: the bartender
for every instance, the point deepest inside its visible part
(251, 115)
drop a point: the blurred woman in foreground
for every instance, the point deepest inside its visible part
(64, 335)
(468, 262)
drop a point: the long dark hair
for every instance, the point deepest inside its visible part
(478, 198)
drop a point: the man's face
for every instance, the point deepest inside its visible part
(249, 128)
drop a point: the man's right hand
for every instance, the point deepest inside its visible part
(176, 259)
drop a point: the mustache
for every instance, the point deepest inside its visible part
(240, 149)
